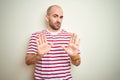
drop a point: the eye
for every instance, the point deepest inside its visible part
(61, 17)
(55, 16)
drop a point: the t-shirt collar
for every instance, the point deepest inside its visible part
(54, 33)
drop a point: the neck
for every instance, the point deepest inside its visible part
(52, 30)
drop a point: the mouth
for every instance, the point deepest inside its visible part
(58, 24)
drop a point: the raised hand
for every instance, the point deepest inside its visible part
(73, 47)
(43, 47)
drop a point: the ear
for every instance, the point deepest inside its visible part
(47, 18)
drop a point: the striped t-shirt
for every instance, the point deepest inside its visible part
(55, 65)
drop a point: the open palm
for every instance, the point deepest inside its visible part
(43, 47)
(73, 46)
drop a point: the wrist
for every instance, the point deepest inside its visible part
(38, 56)
(75, 58)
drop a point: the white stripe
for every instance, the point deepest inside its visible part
(63, 36)
(31, 52)
(33, 37)
(56, 72)
(32, 46)
(55, 58)
(53, 68)
(32, 49)
(55, 79)
(58, 39)
(59, 42)
(56, 52)
(32, 41)
(57, 75)
(50, 52)
(56, 48)
(56, 55)
(57, 65)
(52, 62)
(37, 77)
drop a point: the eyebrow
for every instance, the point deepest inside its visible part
(57, 15)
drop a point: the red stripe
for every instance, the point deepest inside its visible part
(32, 39)
(69, 77)
(55, 56)
(52, 63)
(51, 73)
(32, 48)
(57, 60)
(32, 43)
(57, 53)
(60, 35)
(34, 51)
(59, 41)
(34, 36)
(53, 66)
(56, 46)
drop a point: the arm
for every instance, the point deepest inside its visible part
(31, 58)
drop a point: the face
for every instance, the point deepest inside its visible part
(54, 19)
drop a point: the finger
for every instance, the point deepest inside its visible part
(44, 38)
(40, 39)
(37, 41)
(78, 43)
(71, 38)
(74, 38)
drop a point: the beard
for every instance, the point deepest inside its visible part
(55, 26)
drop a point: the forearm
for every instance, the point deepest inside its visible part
(31, 58)
(76, 60)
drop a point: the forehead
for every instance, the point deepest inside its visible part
(56, 10)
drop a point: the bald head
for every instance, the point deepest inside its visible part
(51, 7)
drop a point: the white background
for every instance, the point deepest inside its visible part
(97, 22)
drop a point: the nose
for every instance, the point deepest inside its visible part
(59, 19)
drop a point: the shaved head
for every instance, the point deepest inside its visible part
(50, 8)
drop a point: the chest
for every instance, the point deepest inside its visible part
(58, 39)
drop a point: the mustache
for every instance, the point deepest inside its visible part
(58, 22)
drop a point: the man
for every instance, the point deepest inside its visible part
(52, 50)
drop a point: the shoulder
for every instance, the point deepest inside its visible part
(37, 33)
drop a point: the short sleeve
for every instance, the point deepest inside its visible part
(32, 45)
(79, 52)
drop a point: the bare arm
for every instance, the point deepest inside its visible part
(31, 58)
